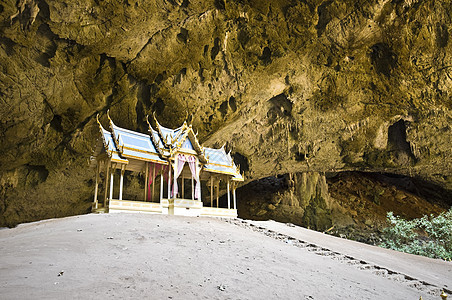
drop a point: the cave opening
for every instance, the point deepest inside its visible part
(398, 144)
(397, 136)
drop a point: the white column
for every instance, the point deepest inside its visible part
(161, 187)
(111, 183)
(121, 182)
(146, 181)
(211, 191)
(183, 185)
(169, 180)
(218, 191)
(233, 197)
(199, 177)
(153, 181)
(192, 188)
(229, 196)
(175, 179)
(96, 186)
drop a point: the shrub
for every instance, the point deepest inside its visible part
(428, 236)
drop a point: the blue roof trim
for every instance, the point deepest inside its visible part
(135, 145)
(142, 156)
(187, 144)
(218, 156)
(221, 162)
(110, 147)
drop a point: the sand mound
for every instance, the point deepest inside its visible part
(169, 257)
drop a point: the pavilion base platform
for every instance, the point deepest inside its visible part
(219, 212)
(179, 207)
(184, 207)
(116, 205)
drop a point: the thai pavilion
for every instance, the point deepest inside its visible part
(175, 167)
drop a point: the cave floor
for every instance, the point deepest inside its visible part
(174, 257)
(413, 268)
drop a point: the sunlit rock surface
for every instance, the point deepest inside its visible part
(290, 86)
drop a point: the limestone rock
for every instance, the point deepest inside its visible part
(291, 86)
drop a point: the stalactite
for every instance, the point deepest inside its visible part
(288, 142)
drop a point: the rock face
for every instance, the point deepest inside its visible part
(291, 86)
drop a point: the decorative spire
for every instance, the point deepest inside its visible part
(159, 131)
(104, 142)
(153, 140)
(97, 119)
(147, 121)
(108, 116)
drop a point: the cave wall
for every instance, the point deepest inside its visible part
(291, 86)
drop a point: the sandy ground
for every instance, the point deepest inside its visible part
(132, 256)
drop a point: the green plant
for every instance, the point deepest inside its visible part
(428, 236)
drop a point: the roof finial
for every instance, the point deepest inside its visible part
(111, 122)
(98, 122)
(155, 119)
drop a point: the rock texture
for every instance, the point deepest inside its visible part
(291, 86)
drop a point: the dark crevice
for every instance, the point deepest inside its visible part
(159, 106)
(442, 35)
(141, 116)
(145, 92)
(36, 174)
(220, 4)
(56, 123)
(232, 104)
(201, 74)
(243, 37)
(8, 45)
(215, 49)
(185, 4)
(182, 36)
(324, 17)
(281, 106)
(266, 56)
(43, 58)
(383, 59)
(44, 10)
(223, 109)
